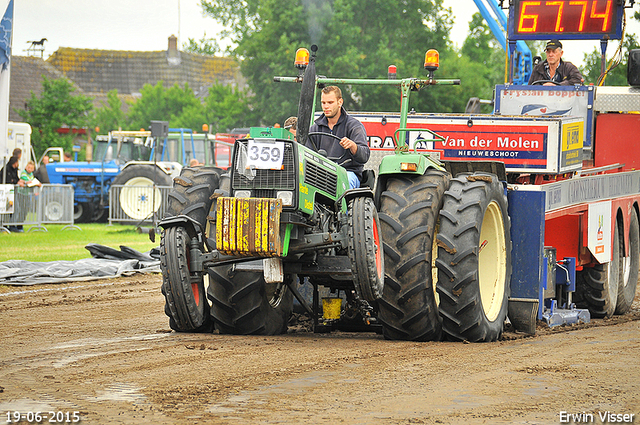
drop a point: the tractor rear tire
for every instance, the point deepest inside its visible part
(185, 296)
(244, 304)
(474, 258)
(192, 191)
(597, 286)
(365, 249)
(630, 265)
(409, 207)
(141, 203)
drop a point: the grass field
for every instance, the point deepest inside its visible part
(58, 244)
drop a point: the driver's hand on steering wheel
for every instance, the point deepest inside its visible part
(549, 84)
(347, 143)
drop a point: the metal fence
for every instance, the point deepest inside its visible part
(137, 204)
(49, 204)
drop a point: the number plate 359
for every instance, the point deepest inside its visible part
(265, 154)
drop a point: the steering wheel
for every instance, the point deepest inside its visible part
(319, 133)
(541, 82)
(336, 160)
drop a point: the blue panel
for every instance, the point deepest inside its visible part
(587, 91)
(526, 210)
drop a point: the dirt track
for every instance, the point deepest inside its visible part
(104, 349)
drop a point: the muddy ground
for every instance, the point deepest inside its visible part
(104, 349)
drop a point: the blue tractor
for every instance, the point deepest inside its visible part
(122, 158)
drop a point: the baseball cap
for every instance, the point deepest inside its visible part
(553, 44)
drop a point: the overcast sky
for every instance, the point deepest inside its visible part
(145, 25)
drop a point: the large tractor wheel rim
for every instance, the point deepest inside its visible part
(492, 261)
(613, 270)
(53, 211)
(626, 270)
(140, 202)
(434, 268)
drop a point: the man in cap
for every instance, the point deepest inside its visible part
(554, 70)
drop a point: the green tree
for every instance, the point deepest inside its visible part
(204, 46)
(481, 65)
(225, 108)
(178, 105)
(356, 38)
(56, 107)
(617, 76)
(480, 43)
(110, 116)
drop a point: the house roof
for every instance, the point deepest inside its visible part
(96, 72)
(99, 71)
(26, 77)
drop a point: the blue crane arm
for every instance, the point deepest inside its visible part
(523, 64)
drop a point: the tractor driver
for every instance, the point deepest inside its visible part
(352, 151)
(554, 70)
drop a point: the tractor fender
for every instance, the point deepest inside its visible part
(193, 228)
(381, 182)
(354, 193)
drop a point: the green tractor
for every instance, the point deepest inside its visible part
(245, 240)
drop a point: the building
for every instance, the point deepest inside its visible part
(96, 72)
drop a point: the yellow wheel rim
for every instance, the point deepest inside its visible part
(492, 261)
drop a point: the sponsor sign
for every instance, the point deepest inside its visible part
(6, 198)
(549, 145)
(599, 232)
(546, 101)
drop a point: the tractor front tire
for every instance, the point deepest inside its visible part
(474, 258)
(83, 212)
(365, 249)
(630, 265)
(597, 286)
(186, 303)
(185, 297)
(409, 207)
(244, 304)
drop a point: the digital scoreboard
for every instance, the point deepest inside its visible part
(565, 19)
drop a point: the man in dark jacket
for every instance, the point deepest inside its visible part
(10, 172)
(555, 69)
(41, 173)
(353, 144)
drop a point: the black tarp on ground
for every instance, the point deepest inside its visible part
(106, 262)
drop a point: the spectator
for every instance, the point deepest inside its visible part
(17, 152)
(194, 163)
(11, 170)
(291, 124)
(28, 177)
(10, 173)
(67, 157)
(41, 173)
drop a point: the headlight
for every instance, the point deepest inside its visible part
(286, 196)
(242, 194)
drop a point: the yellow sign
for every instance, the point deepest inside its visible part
(572, 136)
